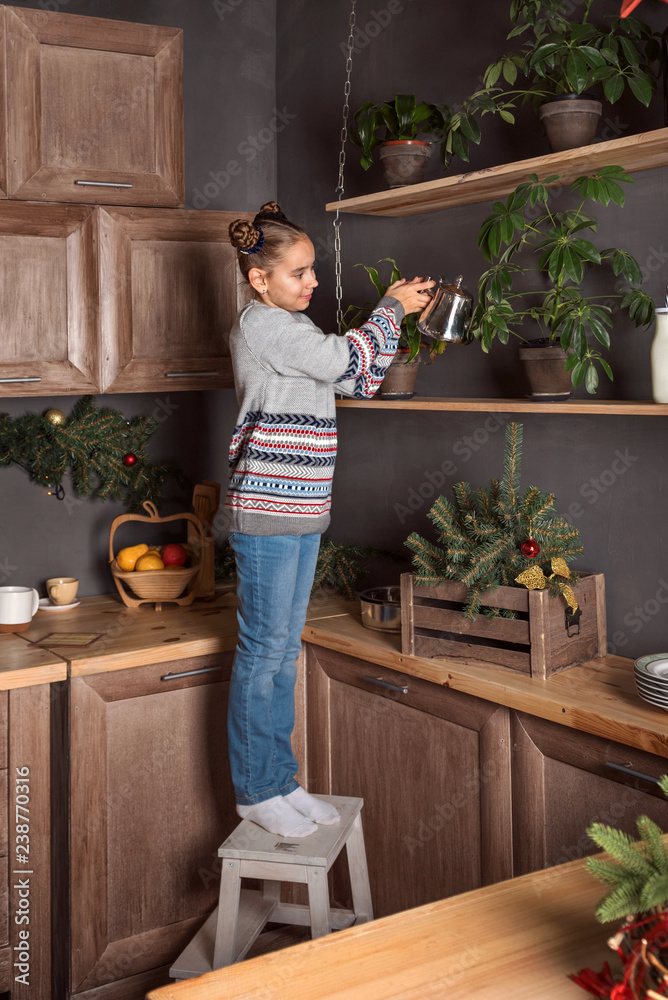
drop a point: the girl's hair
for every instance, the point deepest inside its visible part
(264, 241)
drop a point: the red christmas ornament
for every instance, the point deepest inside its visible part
(530, 548)
(129, 460)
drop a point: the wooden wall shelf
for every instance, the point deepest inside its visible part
(635, 152)
(626, 407)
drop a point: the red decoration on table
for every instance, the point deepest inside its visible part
(530, 548)
(129, 460)
(643, 949)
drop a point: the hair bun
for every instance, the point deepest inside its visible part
(243, 234)
(271, 208)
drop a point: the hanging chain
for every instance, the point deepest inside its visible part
(342, 163)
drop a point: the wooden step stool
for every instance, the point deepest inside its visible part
(251, 852)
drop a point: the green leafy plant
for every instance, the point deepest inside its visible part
(637, 875)
(565, 56)
(410, 335)
(404, 118)
(552, 298)
(480, 536)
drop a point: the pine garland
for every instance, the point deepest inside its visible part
(480, 535)
(91, 445)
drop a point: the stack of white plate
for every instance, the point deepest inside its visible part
(651, 674)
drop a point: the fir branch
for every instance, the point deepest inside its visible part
(652, 838)
(481, 533)
(511, 465)
(461, 493)
(621, 847)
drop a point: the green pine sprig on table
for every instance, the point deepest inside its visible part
(480, 535)
(638, 873)
(90, 445)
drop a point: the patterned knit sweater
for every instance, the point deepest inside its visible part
(283, 448)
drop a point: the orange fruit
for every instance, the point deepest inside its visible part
(127, 558)
(148, 561)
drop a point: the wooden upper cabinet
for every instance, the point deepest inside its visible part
(94, 110)
(48, 296)
(170, 289)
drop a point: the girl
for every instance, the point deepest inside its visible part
(282, 454)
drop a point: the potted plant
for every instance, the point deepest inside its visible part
(545, 252)
(399, 381)
(396, 125)
(562, 62)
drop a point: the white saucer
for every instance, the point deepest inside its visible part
(46, 604)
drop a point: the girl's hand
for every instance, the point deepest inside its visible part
(411, 294)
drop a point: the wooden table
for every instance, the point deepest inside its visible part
(516, 940)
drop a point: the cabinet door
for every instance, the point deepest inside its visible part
(48, 300)
(94, 110)
(432, 766)
(564, 780)
(151, 802)
(170, 289)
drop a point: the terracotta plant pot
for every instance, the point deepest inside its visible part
(544, 367)
(399, 381)
(404, 161)
(570, 121)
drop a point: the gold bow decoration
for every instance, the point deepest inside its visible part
(535, 579)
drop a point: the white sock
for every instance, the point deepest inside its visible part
(315, 809)
(278, 816)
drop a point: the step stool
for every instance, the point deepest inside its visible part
(251, 852)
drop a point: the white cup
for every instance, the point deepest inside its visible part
(17, 606)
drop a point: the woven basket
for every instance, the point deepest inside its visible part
(156, 585)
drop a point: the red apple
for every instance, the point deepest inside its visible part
(174, 555)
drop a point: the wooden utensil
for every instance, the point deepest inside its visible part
(206, 500)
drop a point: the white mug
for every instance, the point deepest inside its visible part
(17, 606)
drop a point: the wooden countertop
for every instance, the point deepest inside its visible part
(514, 940)
(132, 637)
(24, 666)
(597, 697)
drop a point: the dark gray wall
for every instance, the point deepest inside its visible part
(229, 90)
(608, 473)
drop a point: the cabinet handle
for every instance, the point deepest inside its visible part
(190, 374)
(631, 773)
(103, 184)
(386, 684)
(189, 673)
(25, 378)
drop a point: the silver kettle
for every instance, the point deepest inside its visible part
(447, 315)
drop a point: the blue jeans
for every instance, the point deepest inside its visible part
(274, 580)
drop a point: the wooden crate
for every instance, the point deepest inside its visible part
(538, 642)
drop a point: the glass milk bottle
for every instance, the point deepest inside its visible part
(659, 357)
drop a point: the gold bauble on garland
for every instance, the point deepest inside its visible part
(55, 417)
(89, 446)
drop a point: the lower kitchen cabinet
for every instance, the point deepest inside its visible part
(564, 780)
(151, 802)
(433, 768)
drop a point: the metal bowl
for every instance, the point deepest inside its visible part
(381, 608)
